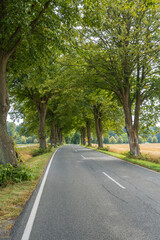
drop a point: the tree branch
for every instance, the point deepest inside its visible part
(13, 36)
(3, 5)
(11, 51)
(32, 24)
(35, 21)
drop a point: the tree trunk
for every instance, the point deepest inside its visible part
(60, 137)
(56, 135)
(83, 136)
(133, 142)
(41, 133)
(52, 136)
(88, 125)
(132, 130)
(7, 152)
(98, 125)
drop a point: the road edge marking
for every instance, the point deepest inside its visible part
(114, 180)
(29, 225)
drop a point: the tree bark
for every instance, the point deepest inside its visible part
(52, 136)
(41, 133)
(98, 125)
(7, 152)
(88, 125)
(132, 130)
(83, 136)
(60, 136)
(56, 135)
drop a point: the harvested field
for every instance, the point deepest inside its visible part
(152, 150)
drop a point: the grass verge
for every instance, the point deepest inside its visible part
(140, 162)
(14, 196)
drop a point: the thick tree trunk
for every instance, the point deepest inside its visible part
(132, 130)
(83, 136)
(98, 125)
(41, 133)
(7, 152)
(133, 142)
(60, 136)
(52, 136)
(56, 136)
(88, 125)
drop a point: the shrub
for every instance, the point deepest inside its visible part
(106, 148)
(40, 151)
(112, 140)
(11, 174)
(141, 157)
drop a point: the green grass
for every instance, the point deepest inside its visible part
(140, 162)
(14, 196)
(26, 145)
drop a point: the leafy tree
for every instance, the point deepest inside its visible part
(35, 87)
(23, 140)
(94, 140)
(158, 136)
(35, 140)
(120, 140)
(140, 140)
(76, 138)
(112, 140)
(11, 128)
(92, 108)
(150, 139)
(124, 54)
(155, 140)
(29, 140)
(13, 29)
(25, 22)
(124, 137)
(106, 140)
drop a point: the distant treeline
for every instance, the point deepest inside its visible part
(112, 138)
(18, 137)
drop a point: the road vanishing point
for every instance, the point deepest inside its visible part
(87, 195)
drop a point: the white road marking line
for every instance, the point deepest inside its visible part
(30, 222)
(96, 158)
(83, 149)
(83, 157)
(113, 180)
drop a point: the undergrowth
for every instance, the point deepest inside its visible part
(40, 151)
(21, 172)
(104, 148)
(14, 174)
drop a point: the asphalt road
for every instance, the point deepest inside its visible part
(91, 196)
